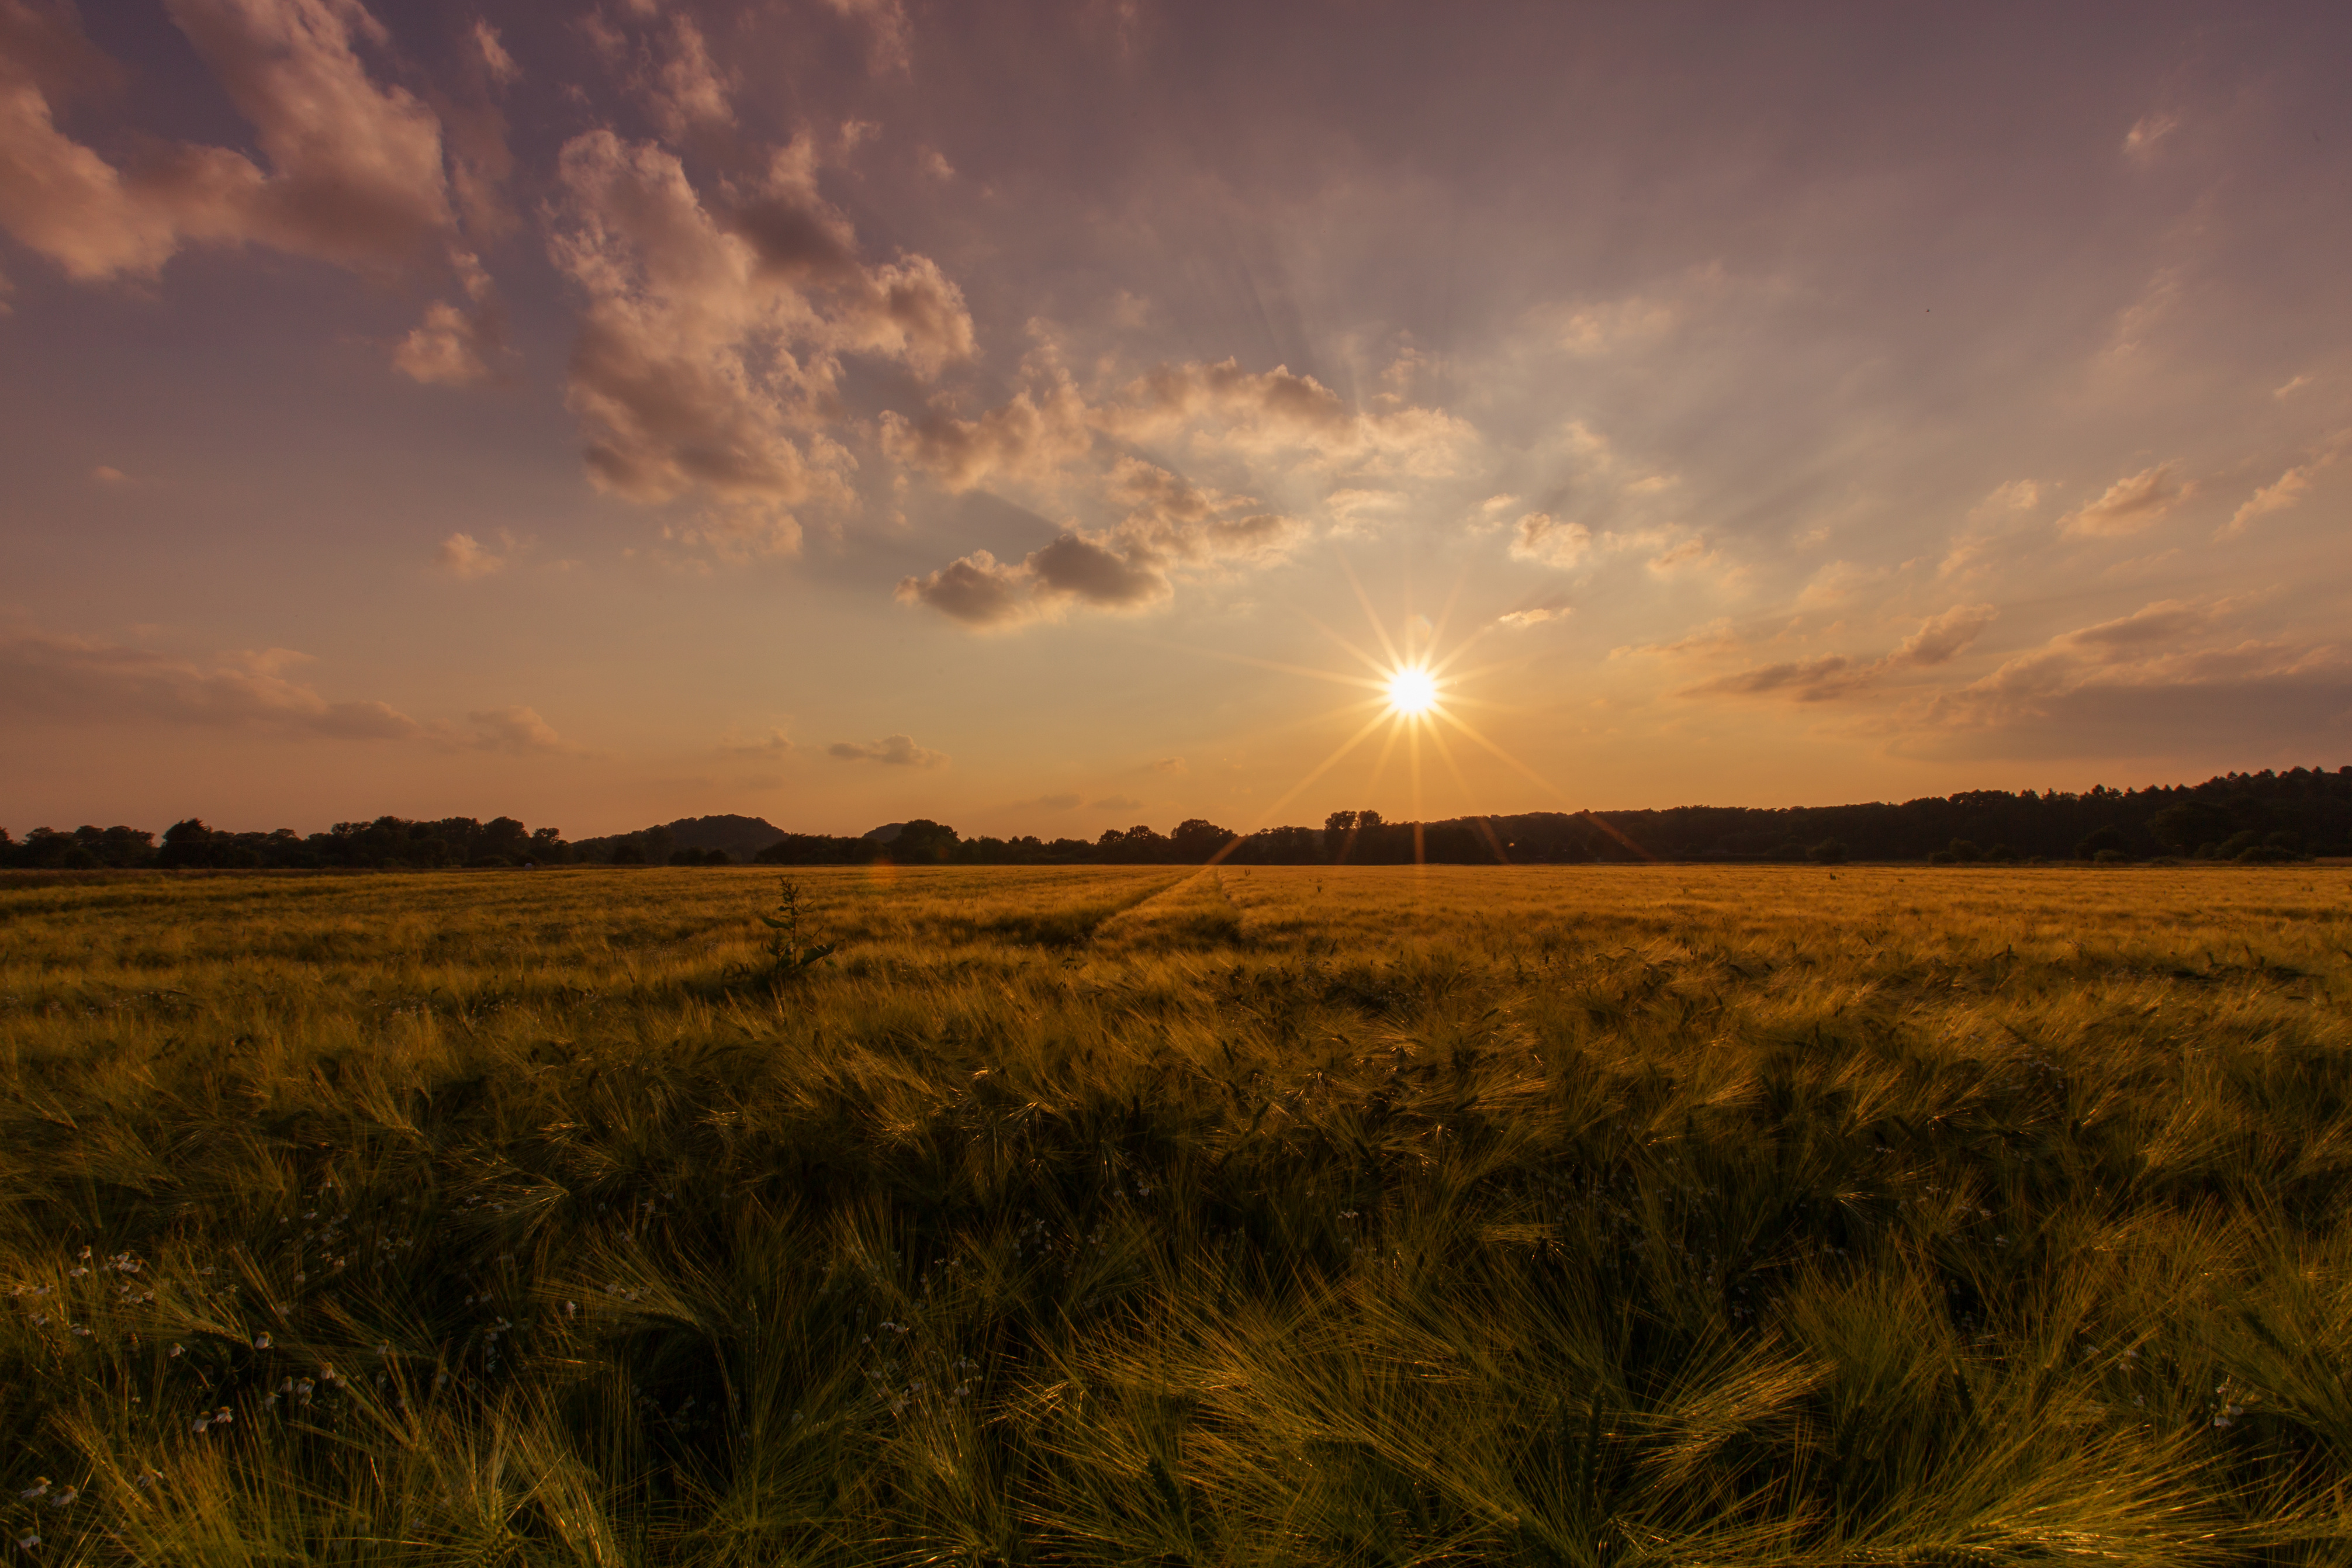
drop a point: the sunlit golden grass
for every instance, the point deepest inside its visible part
(1585, 1216)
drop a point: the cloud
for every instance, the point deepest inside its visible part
(2165, 620)
(1352, 510)
(1806, 680)
(57, 197)
(1715, 638)
(463, 556)
(1602, 488)
(1276, 413)
(2141, 139)
(2278, 496)
(2292, 387)
(668, 378)
(2113, 648)
(770, 743)
(1541, 537)
(980, 590)
(1171, 525)
(1491, 513)
(456, 347)
(977, 589)
(710, 341)
(890, 39)
(1691, 552)
(355, 169)
(112, 477)
(1595, 328)
(1215, 407)
(688, 92)
(1943, 638)
(74, 680)
(352, 173)
(1115, 803)
(1076, 567)
(1518, 620)
(894, 750)
(2136, 669)
(1993, 524)
(1030, 436)
(1171, 518)
(1939, 640)
(1285, 406)
(2157, 300)
(2130, 505)
(516, 729)
(445, 347)
(1046, 803)
(1839, 582)
(1168, 765)
(499, 64)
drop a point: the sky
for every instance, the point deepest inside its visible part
(1046, 418)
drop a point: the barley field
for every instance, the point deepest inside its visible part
(1583, 1216)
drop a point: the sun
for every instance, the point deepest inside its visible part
(1413, 691)
(1414, 697)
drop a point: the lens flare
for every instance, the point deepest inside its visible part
(1413, 691)
(1411, 703)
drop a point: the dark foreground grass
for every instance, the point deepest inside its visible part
(1131, 1217)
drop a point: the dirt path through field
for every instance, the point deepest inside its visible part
(1194, 913)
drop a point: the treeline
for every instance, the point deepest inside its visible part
(2269, 816)
(385, 843)
(2250, 816)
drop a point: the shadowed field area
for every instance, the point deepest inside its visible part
(1147, 1215)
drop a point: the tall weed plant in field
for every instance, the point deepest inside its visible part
(1151, 1216)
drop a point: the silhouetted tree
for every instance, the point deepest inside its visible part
(2108, 842)
(2188, 826)
(1196, 839)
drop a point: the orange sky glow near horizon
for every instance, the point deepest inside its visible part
(1046, 418)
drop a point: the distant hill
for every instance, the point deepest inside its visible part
(740, 837)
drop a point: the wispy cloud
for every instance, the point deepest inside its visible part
(464, 557)
(516, 729)
(2129, 506)
(2281, 494)
(82, 681)
(892, 751)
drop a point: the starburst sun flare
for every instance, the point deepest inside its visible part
(1414, 697)
(1413, 691)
